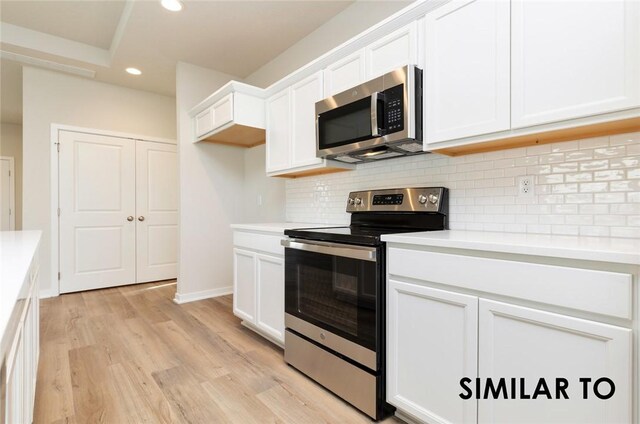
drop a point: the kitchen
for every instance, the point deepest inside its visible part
(509, 251)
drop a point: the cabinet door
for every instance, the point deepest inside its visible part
(223, 111)
(304, 96)
(432, 344)
(466, 75)
(532, 344)
(278, 131)
(244, 286)
(15, 402)
(392, 51)
(344, 74)
(270, 295)
(204, 122)
(573, 59)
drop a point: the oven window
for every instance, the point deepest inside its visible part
(333, 292)
(347, 124)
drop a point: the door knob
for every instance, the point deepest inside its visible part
(141, 218)
(129, 218)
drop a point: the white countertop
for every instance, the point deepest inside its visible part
(605, 249)
(278, 227)
(16, 252)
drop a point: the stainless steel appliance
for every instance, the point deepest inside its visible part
(335, 283)
(379, 119)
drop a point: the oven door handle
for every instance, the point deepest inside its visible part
(334, 249)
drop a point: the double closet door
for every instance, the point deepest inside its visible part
(118, 216)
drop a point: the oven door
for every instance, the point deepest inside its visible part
(333, 296)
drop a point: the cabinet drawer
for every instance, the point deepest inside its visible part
(269, 243)
(600, 292)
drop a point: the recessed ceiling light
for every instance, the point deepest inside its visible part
(172, 5)
(134, 71)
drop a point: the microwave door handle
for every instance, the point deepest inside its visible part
(375, 128)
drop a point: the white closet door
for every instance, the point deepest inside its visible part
(97, 211)
(157, 211)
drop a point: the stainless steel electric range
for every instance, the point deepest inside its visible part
(335, 286)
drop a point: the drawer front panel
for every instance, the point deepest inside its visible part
(601, 292)
(269, 243)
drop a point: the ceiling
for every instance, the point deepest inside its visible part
(99, 39)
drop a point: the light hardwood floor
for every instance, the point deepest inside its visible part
(131, 355)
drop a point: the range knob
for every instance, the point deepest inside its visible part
(350, 201)
(358, 201)
(433, 199)
(422, 199)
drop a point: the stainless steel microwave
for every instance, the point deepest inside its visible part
(379, 119)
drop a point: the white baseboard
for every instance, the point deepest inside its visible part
(44, 294)
(181, 298)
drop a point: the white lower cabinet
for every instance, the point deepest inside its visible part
(22, 358)
(436, 337)
(258, 292)
(527, 343)
(270, 295)
(432, 339)
(244, 284)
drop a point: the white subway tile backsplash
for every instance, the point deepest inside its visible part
(585, 187)
(590, 143)
(624, 139)
(594, 165)
(539, 150)
(608, 152)
(579, 177)
(609, 198)
(609, 175)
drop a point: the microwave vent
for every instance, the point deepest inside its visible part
(410, 147)
(348, 159)
(387, 155)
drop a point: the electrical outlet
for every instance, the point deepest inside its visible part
(525, 186)
(259, 200)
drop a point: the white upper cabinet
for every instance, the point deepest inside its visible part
(278, 131)
(344, 74)
(392, 51)
(573, 59)
(291, 130)
(223, 111)
(232, 115)
(304, 96)
(466, 75)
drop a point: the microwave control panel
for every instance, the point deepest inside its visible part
(394, 109)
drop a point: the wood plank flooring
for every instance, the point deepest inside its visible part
(131, 355)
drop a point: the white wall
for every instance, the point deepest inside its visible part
(54, 98)
(211, 187)
(11, 145)
(270, 206)
(347, 24)
(587, 187)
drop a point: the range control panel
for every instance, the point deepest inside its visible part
(387, 199)
(418, 199)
